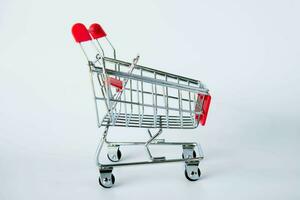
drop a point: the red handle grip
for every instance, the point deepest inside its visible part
(80, 33)
(96, 31)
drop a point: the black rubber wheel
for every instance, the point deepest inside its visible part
(188, 178)
(112, 180)
(119, 155)
(194, 154)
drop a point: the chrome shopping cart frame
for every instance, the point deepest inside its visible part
(141, 97)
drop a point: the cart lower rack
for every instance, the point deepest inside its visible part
(140, 97)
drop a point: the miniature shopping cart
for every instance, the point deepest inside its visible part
(140, 97)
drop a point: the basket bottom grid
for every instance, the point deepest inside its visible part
(149, 121)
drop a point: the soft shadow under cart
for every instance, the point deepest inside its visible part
(135, 96)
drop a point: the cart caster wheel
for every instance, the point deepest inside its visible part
(192, 174)
(189, 154)
(107, 181)
(114, 154)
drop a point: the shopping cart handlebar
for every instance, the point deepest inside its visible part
(151, 70)
(96, 31)
(151, 80)
(80, 33)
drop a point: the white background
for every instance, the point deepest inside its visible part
(247, 52)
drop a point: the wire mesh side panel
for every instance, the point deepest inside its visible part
(149, 98)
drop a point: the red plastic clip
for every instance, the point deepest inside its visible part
(116, 83)
(205, 107)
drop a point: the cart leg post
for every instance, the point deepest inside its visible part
(106, 178)
(100, 145)
(149, 142)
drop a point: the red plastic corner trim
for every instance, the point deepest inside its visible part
(205, 108)
(97, 31)
(80, 33)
